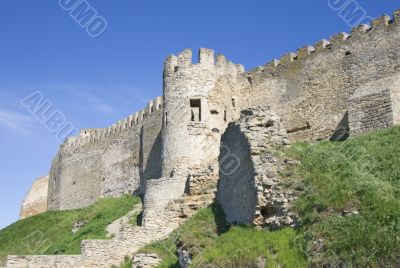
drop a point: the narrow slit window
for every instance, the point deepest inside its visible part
(195, 107)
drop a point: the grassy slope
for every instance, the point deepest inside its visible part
(50, 232)
(361, 174)
(207, 237)
(358, 175)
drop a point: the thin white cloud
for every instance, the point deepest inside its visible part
(98, 97)
(16, 123)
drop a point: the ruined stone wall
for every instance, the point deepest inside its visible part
(310, 89)
(252, 192)
(107, 162)
(36, 200)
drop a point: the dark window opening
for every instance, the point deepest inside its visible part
(214, 112)
(348, 53)
(195, 107)
(74, 183)
(225, 115)
(234, 102)
(250, 80)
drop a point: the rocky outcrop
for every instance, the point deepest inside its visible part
(36, 200)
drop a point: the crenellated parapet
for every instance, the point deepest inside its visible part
(88, 136)
(206, 60)
(336, 41)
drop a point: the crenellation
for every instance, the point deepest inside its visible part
(206, 57)
(322, 45)
(149, 107)
(338, 39)
(170, 65)
(360, 30)
(381, 22)
(272, 64)
(158, 103)
(304, 52)
(136, 118)
(140, 117)
(131, 121)
(185, 58)
(396, 16)
(221, 60)
(288, 58)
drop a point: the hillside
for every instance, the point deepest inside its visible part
(351, 207)
(350, 213)
(50, 232)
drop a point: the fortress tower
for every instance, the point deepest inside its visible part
(198, 103)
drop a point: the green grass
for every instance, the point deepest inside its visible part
(243, 247)
(363, 175)
(209, 240)
(197, 233)
(50, 232)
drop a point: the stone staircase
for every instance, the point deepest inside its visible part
(165, 207)
(158, 222)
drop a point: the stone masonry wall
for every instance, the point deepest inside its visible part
(252, 193)
(310, 89)
(107, 162)
(36, 200)
(374, 106)
(199, 101)
(371, 111)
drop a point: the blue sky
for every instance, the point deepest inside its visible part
(95, 82)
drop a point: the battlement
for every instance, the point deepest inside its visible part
(336, 41)
(91, 135)
(206, 59)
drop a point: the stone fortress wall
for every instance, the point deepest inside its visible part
(169, 152)
(107, 162)
(319, 92)
(36, 200)
(311, 89)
